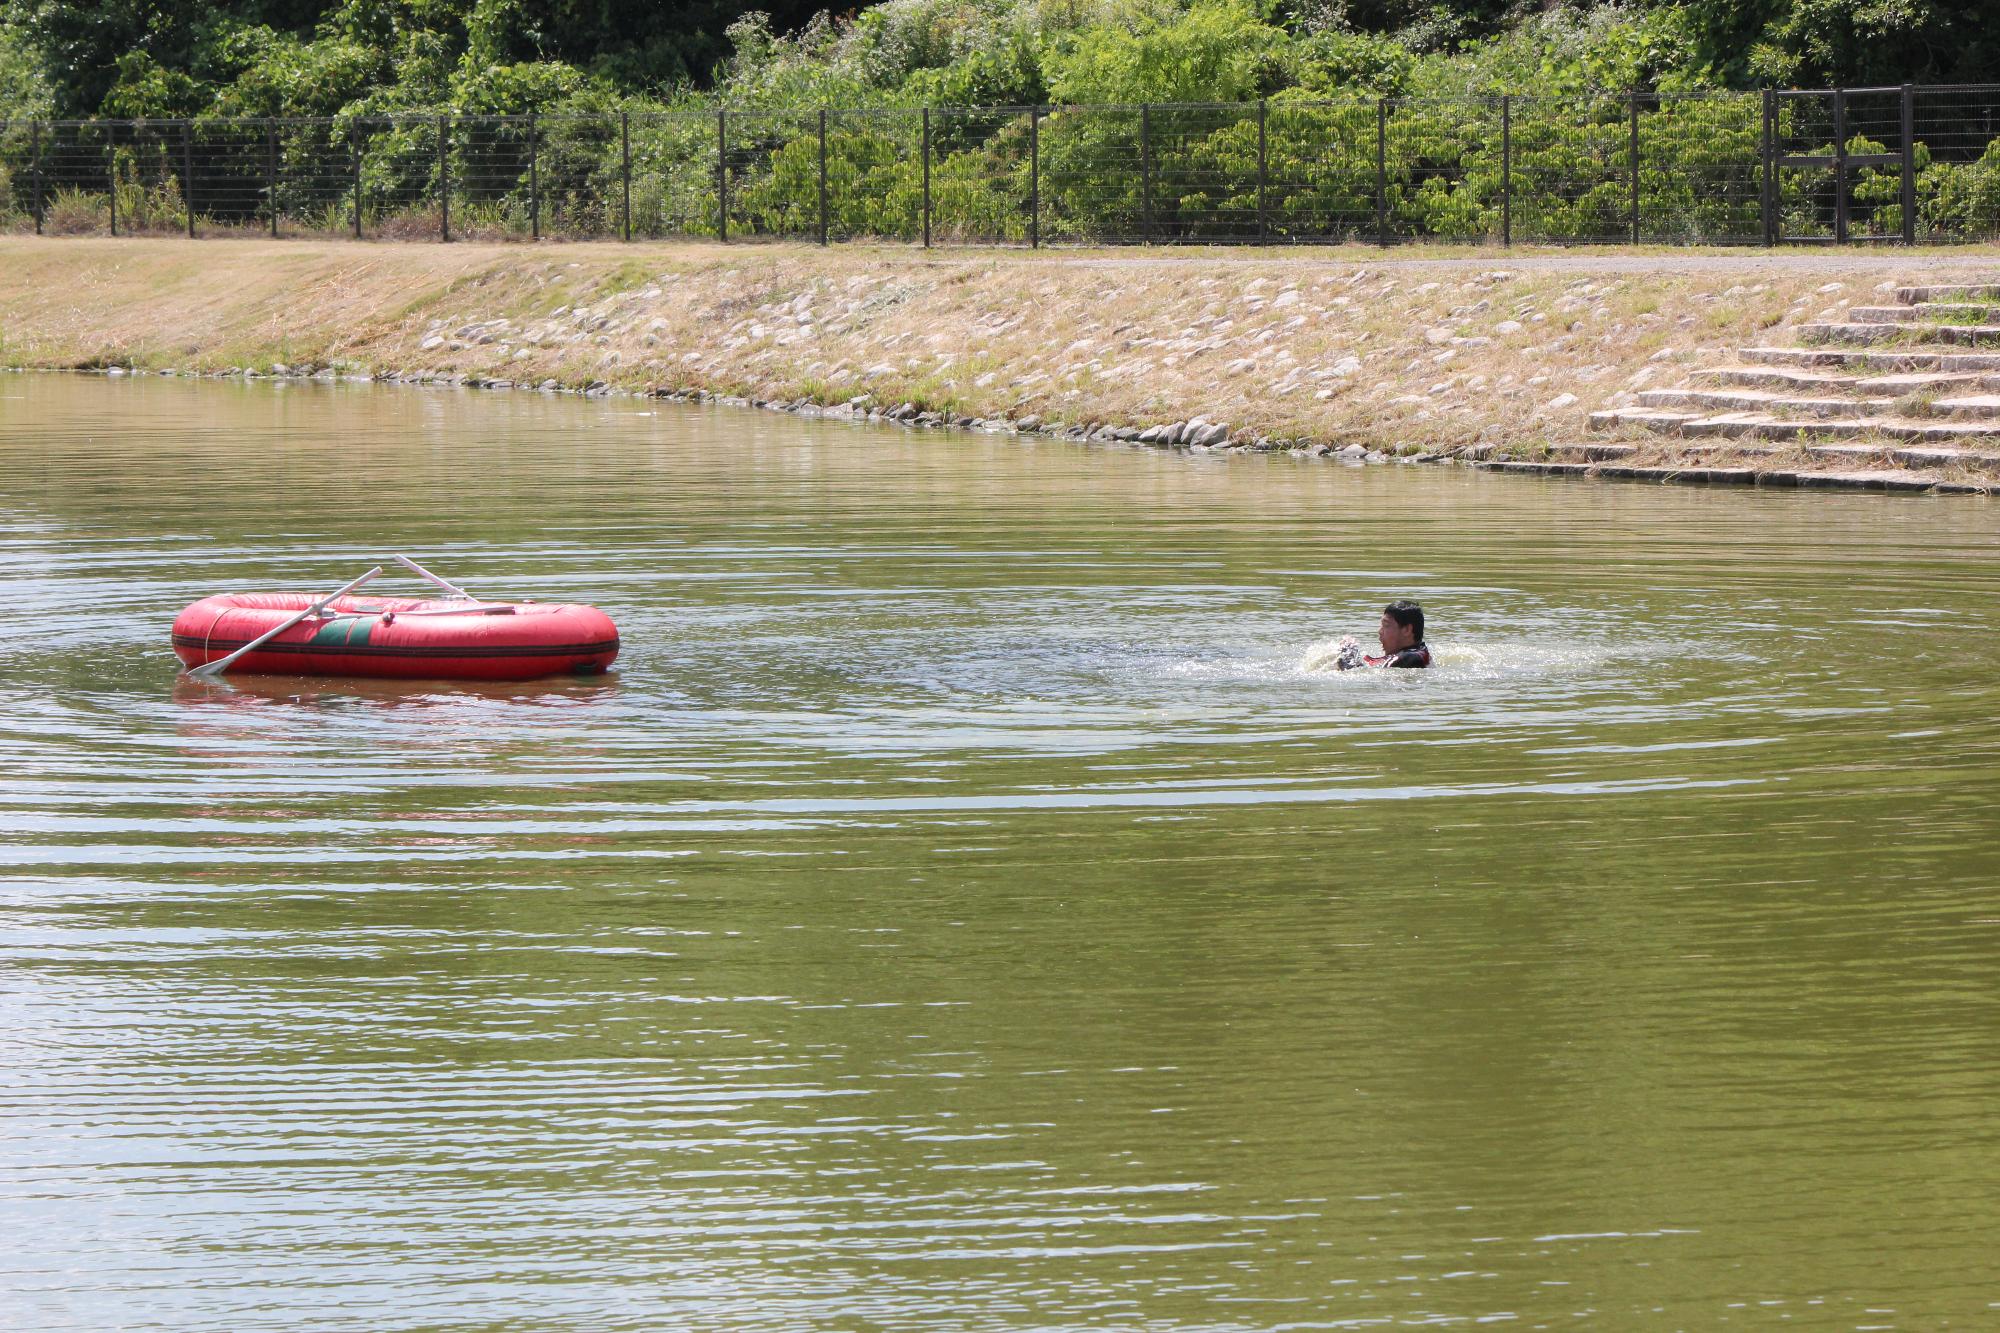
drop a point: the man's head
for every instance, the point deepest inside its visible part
(1402, 626)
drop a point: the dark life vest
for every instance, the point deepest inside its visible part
(1414, 656)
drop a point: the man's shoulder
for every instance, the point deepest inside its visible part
(1418, 656)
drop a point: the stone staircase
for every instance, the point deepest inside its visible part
(1913, 385)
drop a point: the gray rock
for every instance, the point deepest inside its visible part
(1211, 435)
(1353, 451)
(1152, 434)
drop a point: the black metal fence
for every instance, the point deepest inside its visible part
(1906, 164)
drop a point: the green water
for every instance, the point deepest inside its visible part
(962, 909)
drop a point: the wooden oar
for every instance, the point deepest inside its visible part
(208, 669)
(426, 575)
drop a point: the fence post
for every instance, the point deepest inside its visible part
(187, 173)
(722, 176)
(1909, 166)
(1840, 166)
(1506, 169)
(1769, 201)
(354, 154)
(927, 178)
(1146, 173)
(1263, 169)
(822, 175)
(534, 177)
(1635, 166)
(111, 170)
(444, 179)
(1381, 171)
(625, 151)
(271, 171)
(1035, 177)
(35, 134)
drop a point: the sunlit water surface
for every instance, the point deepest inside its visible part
(964, 908)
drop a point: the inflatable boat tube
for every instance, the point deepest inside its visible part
(407, 638)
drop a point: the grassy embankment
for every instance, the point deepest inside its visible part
(1414, 351)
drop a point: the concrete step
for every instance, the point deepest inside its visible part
(1809, 383)
(1862, 335)
(1664, 423)
(1895, 386)
(1979, 291)
(1934, 312)
(1922, 456)
(1854, 479)
(1910, 430)
(1774, 377)
(1880, 361)
(1752, 400)
(1967, 407)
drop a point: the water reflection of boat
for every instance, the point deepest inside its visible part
(261, 691)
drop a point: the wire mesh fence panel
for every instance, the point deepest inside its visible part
(226, 176)
(771, 170)
(401, 169)
(983, 180)
(493, 197)
(1872, 151)
(874, 175)
(674, 158)
(1570, 168)
(1957, 162)
(1441, 170)
(1855, 164)
(579, 176)
(1319, 171)
(1701, 170)
(17, 175)
(1204, 173)
(145, 180)
(1096, 169)
(1802, 147)
(314, 182)
(75, 178)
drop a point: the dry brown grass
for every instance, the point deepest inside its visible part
(1416, 349)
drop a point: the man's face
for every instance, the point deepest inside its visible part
(1396, 637)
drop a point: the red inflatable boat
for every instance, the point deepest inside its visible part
(451, 639)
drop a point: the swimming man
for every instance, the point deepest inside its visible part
(1402, 636)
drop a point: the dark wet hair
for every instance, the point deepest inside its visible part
(1408, 614)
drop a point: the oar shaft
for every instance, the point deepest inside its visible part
(429, 577)
(216, 667)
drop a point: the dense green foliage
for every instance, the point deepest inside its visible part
(168, 58)
(1303, 77)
